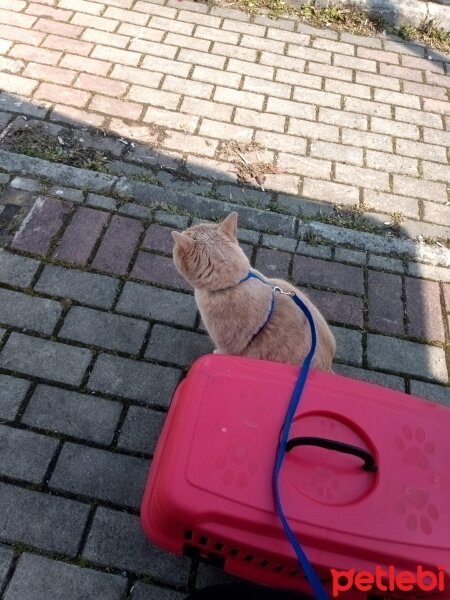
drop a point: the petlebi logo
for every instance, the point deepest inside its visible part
(388, 580)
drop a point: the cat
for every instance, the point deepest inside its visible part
(237, 314)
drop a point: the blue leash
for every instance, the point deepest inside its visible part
(319, 591)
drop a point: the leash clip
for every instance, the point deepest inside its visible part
(277, 288)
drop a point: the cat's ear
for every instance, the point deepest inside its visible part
(183, 241)
(229, 225)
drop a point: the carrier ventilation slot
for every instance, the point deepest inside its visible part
(214, 552)
(278, 569)
(214, 560)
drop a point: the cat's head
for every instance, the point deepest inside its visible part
(208, 255)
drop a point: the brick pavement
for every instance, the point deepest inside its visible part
(350, 120)
(96, 326)
(97, 329)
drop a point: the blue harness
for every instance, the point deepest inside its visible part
(319, 591)
(251, 275)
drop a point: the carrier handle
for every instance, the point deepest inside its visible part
(369, 460)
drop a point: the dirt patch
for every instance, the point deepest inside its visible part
(248, 169)
(88, 148)
(56, 144)
(354, 218)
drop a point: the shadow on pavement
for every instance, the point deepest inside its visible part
(380, 308)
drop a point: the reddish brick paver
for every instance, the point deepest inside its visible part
(339, 308)
(65, 95)
(94, 83)
(88, 65)
(118, 245)
(118, 108)
(32, 53)
(41, 225)
(41, 10)
(123, 57)
(8, 32)
(16, 19)
(70, 114)
(58, 28)
(87, 225)
(48, 73)
(423, 310)
(385, 303)
(75, 46)
(16, 84)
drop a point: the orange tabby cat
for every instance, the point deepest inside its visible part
(237, 315)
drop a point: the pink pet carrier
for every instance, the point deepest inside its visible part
(365, 485)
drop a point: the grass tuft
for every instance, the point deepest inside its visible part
(144, 178)
(429, 33)
(35, 141)
(349, 218)
(349, 18)
(274, 8)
